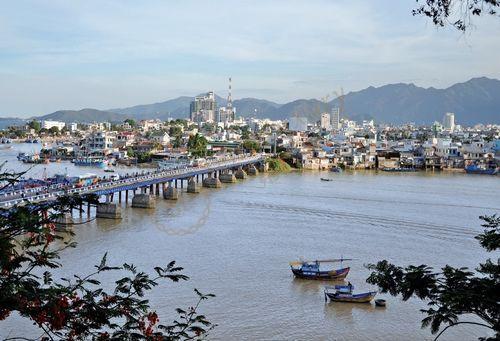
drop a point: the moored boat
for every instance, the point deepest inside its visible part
(380, 303)
(311, 270)
(335, 169)
(90, 161)
(343, 293)
(326, 179)
(399, 169)
(481, 169)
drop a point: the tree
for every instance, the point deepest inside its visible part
(245, 133)
(197, 145)
(175, 131)
(78, 307)
(54, 130)
(251, 145)
(451, 293)
(130, 152)
(35, 125)
(131, 122)
(458, 13)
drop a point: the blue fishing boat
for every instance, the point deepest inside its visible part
(481, 169)
(311, 270)
(343, 293)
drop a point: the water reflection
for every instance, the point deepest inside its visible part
(304, 286)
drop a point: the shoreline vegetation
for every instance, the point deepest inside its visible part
(278, 165)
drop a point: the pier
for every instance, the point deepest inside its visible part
(144, 187)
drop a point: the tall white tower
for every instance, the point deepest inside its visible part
(449, 121)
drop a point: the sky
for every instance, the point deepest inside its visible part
(59, 54)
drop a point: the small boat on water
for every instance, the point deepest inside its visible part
(399, 169)
(343, 293)
(481, 169)
(109, 170)
(311, 270)
(380, 303)
(90, 161)
(326, 179)
(335, 169)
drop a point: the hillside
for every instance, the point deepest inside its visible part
(84, 115)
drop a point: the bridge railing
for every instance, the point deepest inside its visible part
(160, 174)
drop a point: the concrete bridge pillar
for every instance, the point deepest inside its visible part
(252, 170)
(192, 186)
(170, 193)
(108, 211)
(240, 174)
(126, 196)
(143, 201)
(227, 178)
(210, 182)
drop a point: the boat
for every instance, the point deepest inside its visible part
(481, 169)
(109, 170)
(380, 302)
(311, 270)
(399, 169)
(90, 161)
(335, 170)
(343, 293)
(326, 179)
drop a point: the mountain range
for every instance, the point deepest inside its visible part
(474, 101)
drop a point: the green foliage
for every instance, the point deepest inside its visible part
(452, 292)
(143, 157)
(278, 165)
(54, 130)
(197, 145)
(131, 122)
(34, 124)
(245, 133)
(175, 131)
(79, 307)
(251, 145)
(130, 152)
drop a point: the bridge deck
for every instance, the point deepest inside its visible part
(140, 181)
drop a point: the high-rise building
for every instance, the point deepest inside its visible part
(203, 108)
(449, 121)
(226, 114)
(335, 118)
(325, 121)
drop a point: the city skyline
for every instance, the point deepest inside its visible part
(87, 54)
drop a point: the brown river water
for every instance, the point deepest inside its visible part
(236, 242)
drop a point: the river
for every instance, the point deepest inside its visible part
(236, 242)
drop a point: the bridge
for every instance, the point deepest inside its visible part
(211, 174)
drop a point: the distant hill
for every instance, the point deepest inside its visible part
(6, 122)
(474, 101)
(176, 108)
(84, 115)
